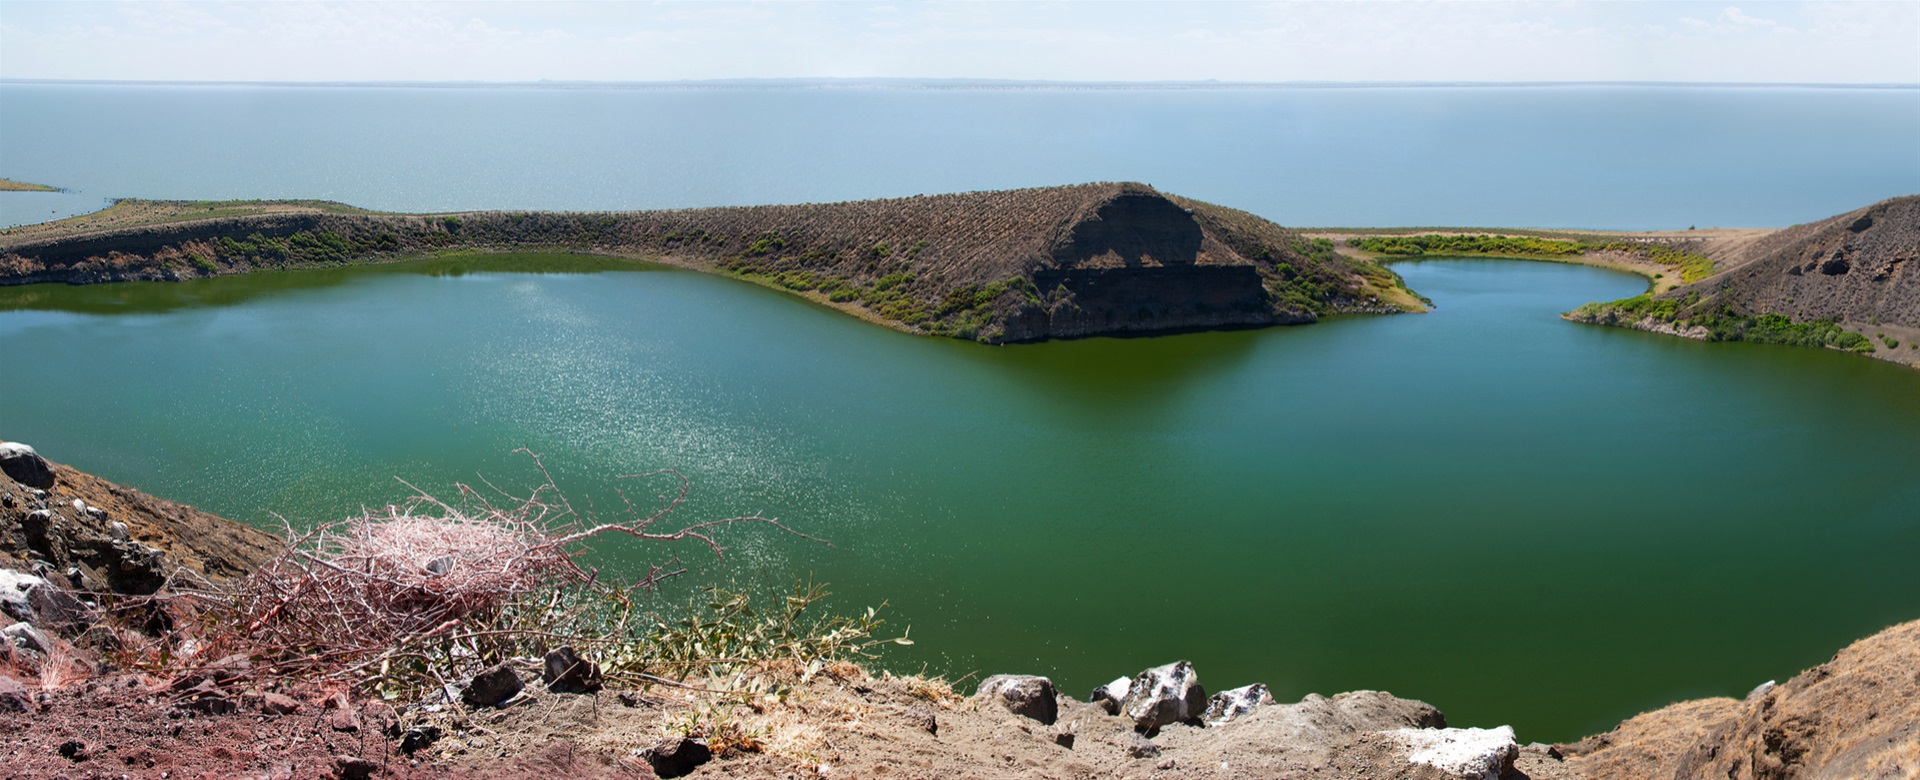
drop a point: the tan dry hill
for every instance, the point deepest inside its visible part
(1015, 265)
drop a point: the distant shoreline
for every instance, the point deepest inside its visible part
(9, 185)
(962, 84)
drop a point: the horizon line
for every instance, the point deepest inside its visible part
(946, 83)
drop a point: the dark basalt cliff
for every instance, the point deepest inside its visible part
(1015, 265)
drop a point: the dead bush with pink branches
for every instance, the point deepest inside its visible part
(410, 599)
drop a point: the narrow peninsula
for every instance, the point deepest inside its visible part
(1003, 266)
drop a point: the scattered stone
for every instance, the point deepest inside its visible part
(1141, 747)
(1110, 695)
(344, 720)
(26, 637)
(676, 756)
(207, 698)
(73, 750)
(1022, 694)
(627, 699)
(25, 466)
(567, 672)
(118, 531)
(354, 767)
(1163, 695)
(1064, 737)
(1166, 764)
(14, 696)
(279, 704)
(1227, 705)
(1469, 754)
(922, 717)
(492, 687)
(419, 738)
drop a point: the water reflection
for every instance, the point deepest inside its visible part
(154, 298)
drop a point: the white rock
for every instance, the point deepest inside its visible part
(1761, 690)
(1163, 695)
(26, 637)
(1110, 695)
(1471, 754)
(13, 593)
(1230, 704)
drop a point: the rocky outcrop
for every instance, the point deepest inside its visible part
(87, 534)
(1016, 265)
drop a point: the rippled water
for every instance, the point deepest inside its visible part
(1519, 519)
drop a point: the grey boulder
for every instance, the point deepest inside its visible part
(1022, 694)
(25, 466)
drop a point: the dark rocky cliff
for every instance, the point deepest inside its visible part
(1016, 265)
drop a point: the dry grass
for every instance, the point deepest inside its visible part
(407, 600)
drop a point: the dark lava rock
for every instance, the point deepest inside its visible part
(73, 750)
(419, 738)
(1064, 738)
(14, 696)
(1022, 694)
(676, 756)
(492, 687)
(25, 466)
(567, 672)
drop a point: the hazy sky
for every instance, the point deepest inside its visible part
(1079, 40)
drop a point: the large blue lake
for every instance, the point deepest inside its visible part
(1517, 518)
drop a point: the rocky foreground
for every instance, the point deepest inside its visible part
(1016, 265)
(74, 549)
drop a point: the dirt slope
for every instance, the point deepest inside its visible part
(1856, 716)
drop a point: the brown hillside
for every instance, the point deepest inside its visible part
(1015, 265)
(1860, 267)
(1856, 716)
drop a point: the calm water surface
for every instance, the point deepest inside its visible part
(1519, 519)
(1586, 157)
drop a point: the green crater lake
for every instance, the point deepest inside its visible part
(1518, 519)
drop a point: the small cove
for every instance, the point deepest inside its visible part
(1516, 518)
